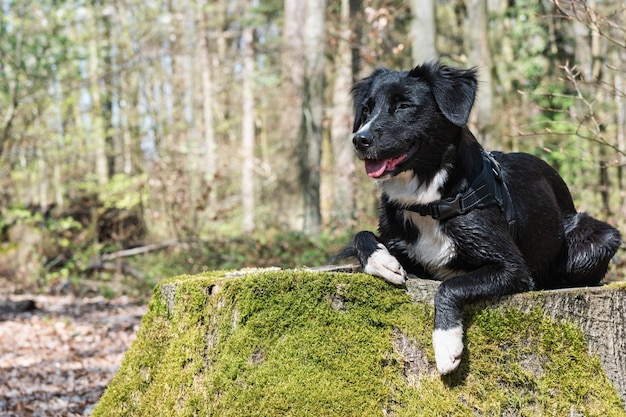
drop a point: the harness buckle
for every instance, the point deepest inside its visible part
(444, 208)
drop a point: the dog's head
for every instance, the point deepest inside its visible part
(406, 120)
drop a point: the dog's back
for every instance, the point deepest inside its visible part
(562, 247)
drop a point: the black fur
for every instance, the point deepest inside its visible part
(410, 131)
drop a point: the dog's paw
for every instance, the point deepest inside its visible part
(448, 345)
(383, 264)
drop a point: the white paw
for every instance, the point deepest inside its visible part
(383, 264)
(448, 345)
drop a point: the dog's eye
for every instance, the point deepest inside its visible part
(365, 111)
(403, 106)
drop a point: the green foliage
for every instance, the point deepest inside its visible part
(67, 257)
(295, 344)
(18, 215)
(69, 247)
(530, 35)
(124, 192)
(32, 42)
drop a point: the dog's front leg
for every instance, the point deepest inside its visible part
(504, 278)
(448, 332)
(376, 259)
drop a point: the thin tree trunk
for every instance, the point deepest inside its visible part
(97, 125)
(620, 121)
(356, 17)
(190, 99)
(13, 86)
(423, 31)
(289, 210)
(126, 84)
(111, 144)
(43, 180)
(479, 53)
(210, 146)
(313, 113)
(247, 131)
(343, 207)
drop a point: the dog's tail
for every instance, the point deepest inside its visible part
(342, 255)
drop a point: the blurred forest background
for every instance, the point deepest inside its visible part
(143, 139)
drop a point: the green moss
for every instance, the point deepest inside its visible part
(617, 284)
(286, 343)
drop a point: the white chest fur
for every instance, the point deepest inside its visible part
(433, 248)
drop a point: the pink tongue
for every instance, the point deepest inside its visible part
(375, 168)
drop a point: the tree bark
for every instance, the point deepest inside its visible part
(247, 132)
(13, 87)
(343, 206)
(97, 125)
(272, 323)
(356, 21)
(112, 145)
(210, 144)
(479, 54)
(289, 208)
(423, 31)
(599, 311)
(313, 113)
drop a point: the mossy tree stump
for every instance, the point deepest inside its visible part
(311, 343)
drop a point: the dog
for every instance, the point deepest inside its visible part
(485, 224)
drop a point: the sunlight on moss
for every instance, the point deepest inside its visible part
(282, 343)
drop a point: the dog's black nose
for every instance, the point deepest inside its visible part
(363, 139)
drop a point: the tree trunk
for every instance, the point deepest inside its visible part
(356, 21)
(97, 126)
(620, 121)
(479, 54)
(12, 84)
(289, 208)
(247, 131)
(111, 144)
(599, 311)
(210, 145)
(313, 113)
(423, 31)
(191, 148)
(126, 85)
(343, 181)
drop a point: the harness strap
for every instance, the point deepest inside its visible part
(487, 188)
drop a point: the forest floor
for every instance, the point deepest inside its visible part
(57, 360)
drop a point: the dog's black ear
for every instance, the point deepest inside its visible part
(360, 92)
(454, 89)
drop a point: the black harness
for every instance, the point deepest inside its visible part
(488, 188)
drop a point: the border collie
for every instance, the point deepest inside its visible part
(485, 224)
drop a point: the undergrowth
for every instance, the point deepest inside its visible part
(284, 250)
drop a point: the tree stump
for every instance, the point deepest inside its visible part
(328, 343)
(599, 311)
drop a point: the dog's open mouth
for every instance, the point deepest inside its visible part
(376, 168)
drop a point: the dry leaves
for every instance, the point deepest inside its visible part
(58, 359)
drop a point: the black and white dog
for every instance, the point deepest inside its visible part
(486, 224)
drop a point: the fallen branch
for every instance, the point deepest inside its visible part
(7, 307)
(139, 250)
(123, 267)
